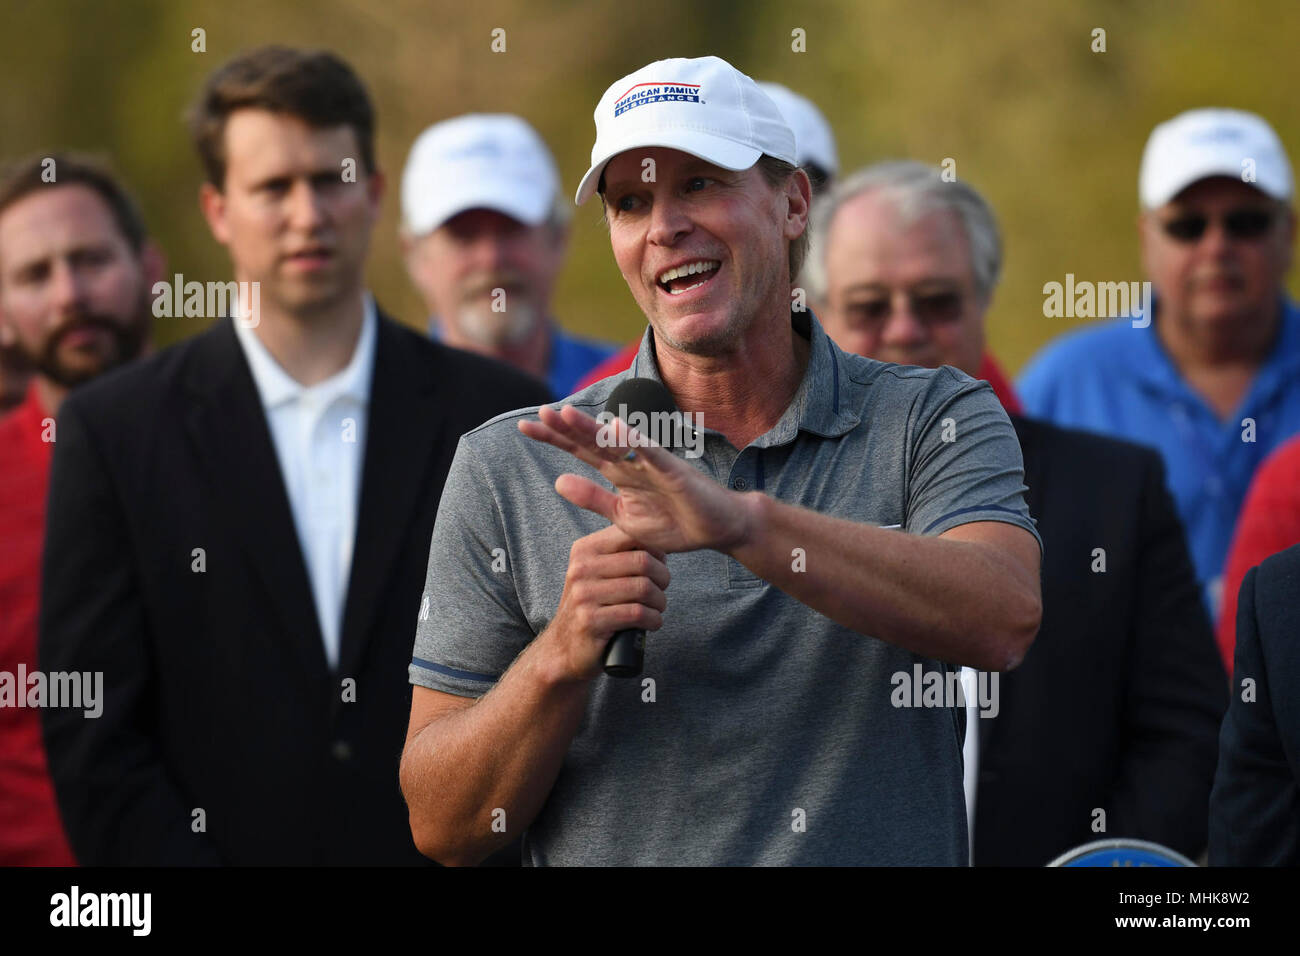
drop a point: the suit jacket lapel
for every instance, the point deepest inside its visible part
(403, 429)
(228, 427)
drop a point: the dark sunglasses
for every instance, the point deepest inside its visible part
(929, 308)
(1238, 224)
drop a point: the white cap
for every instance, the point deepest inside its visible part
(480, 160)
(705, 107)
(1212, 142)
(813, 140)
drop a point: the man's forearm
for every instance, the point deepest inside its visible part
(503, 753)
(960, 601)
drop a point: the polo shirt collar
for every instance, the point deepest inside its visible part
(820, 403)
(277, 387)
(1150, 365)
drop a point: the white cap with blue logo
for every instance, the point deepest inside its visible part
(1212, 142)
(703, 106)
(479, 160)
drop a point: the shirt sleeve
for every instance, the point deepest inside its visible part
(965, 463)
(470, 626)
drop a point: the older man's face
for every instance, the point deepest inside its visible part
(703, 249)
(901, 290)
(487, 275)
(1231, 272)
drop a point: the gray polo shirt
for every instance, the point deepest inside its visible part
(761, 732)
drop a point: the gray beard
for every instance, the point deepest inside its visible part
(490, 329)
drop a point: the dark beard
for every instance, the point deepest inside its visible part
(128, 343)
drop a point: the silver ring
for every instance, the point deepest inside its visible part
(630, 456)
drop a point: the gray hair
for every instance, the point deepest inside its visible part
(916, 190)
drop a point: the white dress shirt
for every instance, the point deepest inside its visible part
(319, 433)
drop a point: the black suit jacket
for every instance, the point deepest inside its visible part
(225, 737)
(1117, 704)
(1255, 804)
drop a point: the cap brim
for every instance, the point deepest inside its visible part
(1230, 169)
(712, 149)
(529, 209)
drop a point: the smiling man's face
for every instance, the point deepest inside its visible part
(703, 249)
(287, 215)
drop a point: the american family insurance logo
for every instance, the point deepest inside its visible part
(644, 93)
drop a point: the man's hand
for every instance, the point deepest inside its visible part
(662, 502)
(612, 584)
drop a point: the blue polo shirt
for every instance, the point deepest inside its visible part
(1118, 380)
(571, 358)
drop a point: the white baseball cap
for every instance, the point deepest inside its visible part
(813, 140)
(480, 160)
(1212, 142)
(704, 106)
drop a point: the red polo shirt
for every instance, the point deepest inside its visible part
(1269, 522)
(31, 833)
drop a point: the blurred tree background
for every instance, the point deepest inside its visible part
(1050, 131)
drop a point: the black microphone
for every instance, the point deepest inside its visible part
(625, 653)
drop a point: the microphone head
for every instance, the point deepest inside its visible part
(643, 395)
(648, 406)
